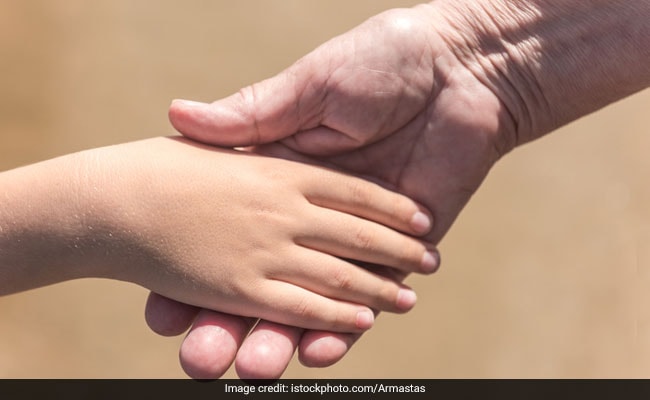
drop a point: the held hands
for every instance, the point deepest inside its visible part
(426, 99)
(390, 100)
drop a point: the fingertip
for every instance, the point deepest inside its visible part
(365, 319)
(406, 299)
(267, 351)
(430, 261)
(210, 347)
(421, 223)
(168, 317)
(179, 109)
(259, 364)
(207, 352)
(320, 349)
(189, 117)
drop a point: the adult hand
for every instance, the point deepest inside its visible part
(426, 99)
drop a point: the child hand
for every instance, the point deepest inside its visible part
(225, 230)
(258, 236)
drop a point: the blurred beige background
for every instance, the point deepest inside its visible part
(545, 274)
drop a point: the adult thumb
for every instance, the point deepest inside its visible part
(264, 112)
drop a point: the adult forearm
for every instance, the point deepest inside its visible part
(552, 61)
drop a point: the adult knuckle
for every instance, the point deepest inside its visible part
(247, 98)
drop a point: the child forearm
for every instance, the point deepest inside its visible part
(42, 236)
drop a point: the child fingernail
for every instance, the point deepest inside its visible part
(365, 319)
(406, 299)
(421, 222)
(430, 261)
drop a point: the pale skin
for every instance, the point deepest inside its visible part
(258, 236)
(426, 99)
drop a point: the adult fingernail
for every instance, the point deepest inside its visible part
(430, 261)
(365, 320)
(188, 103)
(421, 222)
(406, 299)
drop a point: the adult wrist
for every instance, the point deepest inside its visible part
(550, 61)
